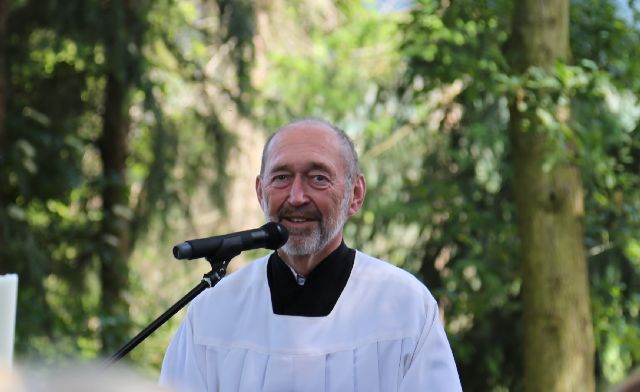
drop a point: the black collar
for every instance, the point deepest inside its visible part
(321, 289)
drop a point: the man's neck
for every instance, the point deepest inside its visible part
(304, 264)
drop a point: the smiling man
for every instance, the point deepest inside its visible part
(315, 315)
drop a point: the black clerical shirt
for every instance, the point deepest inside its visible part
(314, 295)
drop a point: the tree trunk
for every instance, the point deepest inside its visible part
(558, 333)
(115, 225)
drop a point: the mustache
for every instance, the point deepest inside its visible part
(306, 212)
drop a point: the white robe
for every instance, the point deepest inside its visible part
(383, 334)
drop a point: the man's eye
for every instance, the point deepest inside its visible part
(318, 178)
(280, 177)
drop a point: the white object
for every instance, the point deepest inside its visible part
(8, 299)
(383, 334)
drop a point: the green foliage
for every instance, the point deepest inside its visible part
(333, 72)
(599, 136)
(436, 154)
(60, 56)
(425, 95)
(604, 32)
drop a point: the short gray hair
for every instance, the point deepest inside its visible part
(348, 149)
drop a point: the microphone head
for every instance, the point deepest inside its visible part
(182, 251)
(277, 235)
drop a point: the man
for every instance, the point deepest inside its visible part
(314, 315)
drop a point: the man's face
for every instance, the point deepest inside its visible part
(304, 187)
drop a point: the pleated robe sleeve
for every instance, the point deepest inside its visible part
(183, 367)
(432, 365)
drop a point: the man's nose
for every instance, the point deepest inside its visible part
(297, 192)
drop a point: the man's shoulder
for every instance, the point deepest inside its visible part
(382, 274)
(371, 267)
(386, 299)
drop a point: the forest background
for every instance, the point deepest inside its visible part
(500, 141)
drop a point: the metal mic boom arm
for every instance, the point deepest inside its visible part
(210, 279)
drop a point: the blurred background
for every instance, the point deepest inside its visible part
(501, 150)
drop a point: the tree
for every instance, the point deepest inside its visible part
(559, 351)
(466, 194)
(431, 110)
(123, 35)
(89, 159)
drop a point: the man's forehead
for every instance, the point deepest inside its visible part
(306, 166)
(310, 141)
(305, 134)
(311, 130)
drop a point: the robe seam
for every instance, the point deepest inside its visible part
(239, 345)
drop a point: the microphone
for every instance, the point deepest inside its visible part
(224, 247)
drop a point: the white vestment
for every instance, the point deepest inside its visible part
(383, 334)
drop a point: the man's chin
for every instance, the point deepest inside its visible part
(300, 245)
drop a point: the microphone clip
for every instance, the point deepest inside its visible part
(218, 270)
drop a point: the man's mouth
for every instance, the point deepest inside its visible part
(297, 220)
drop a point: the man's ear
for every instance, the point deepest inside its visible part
(357, 195)
(259, 189)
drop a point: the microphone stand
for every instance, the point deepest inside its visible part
(210, 279)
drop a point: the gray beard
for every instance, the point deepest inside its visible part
(326, 230)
